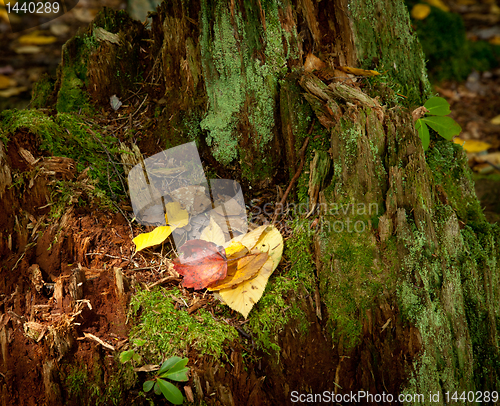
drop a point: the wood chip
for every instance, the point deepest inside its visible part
(93, 337)
(147, 368)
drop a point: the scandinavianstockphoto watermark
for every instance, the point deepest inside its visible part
(336, 217)
(364, 397)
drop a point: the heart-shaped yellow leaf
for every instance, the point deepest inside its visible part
(243, 296)
(267, 240)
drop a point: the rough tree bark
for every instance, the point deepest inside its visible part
(408, 301)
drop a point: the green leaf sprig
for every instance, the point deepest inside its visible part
(174, 369)
(438, 108)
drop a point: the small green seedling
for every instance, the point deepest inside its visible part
(435, 118)
(126, 356)
(174, 369)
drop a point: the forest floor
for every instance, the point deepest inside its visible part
(95, 247)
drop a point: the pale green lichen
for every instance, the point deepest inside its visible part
(241, 77)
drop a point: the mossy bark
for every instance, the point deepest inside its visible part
(403, 267)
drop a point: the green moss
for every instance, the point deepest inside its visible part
(72, 75)
(448, 164)
(70, 136)
(451, 290)
(374, 40)
(87, 385)
(351, 280)
(42, 92)
(76, 381)
(72, 95)
(169, 331)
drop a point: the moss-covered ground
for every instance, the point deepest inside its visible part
(71, 135)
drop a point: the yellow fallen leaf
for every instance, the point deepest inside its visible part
(28, 49)
(176, 217)
(245, 269)
(420, 11)
(495, 40)
(358, 72)
(439, 4)
(213, 233)
(6, 82)
(243, 297)
(155, 237)
(35, 38)
(472, 146)
(495, 120)
(12, 91)
(4, 15)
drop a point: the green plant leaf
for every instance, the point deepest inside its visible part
(437, 106)
(171, 393)
(157, 388)
(423, 133)
(126, 356)
(137, 357)
(178, 366)
(169, 363)
(139, 342)
(446, 127)
(148, 385)
(178, 376)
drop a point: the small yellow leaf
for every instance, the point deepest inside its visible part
(438, 4)
(12, 91)
(176, 216)
(35, 38)
(420, 11)
(358, 72)
(243, 297)
(495, 120)
(213, 233)
(245, 269)
(494, 40)
(155, 237)
(472, 146)
(6, 82)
